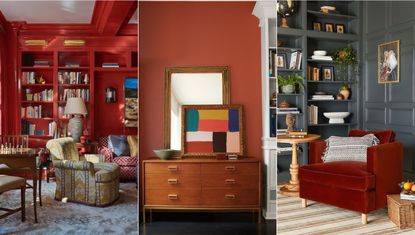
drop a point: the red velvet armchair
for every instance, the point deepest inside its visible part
(353, 185)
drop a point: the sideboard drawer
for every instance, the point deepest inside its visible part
(230, 181)
(172, 168)
(230, 197)
(230, 168)
(172, 197)
(168, 181)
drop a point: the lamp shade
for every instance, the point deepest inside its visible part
(75, 106)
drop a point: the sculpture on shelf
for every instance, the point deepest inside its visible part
(285, 8)
(290, 121)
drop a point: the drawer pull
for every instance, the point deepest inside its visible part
(172, 196)
(230, 196)
(230, 181)
(172, 168)
(172, 181)
(230, 168)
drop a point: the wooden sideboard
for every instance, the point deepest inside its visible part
(202, 185)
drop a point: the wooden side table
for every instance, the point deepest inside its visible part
(292, 188)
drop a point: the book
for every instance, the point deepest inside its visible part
(110, 65)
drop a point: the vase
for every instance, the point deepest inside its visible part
(287, 89)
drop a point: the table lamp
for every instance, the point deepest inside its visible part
(75, 106)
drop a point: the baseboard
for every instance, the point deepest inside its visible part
(269, 215)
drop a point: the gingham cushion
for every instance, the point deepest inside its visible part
(125, 161)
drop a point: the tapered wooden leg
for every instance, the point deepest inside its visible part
(23, 202)
(364, 218)
(303, 202)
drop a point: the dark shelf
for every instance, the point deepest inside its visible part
(38, 85)
(290, 32)
(282, 94)
(332, 124)
(331, 15)
(320, 61)
(333, 82)
(332, 36)
(339, 101)
(288, 49)
(36, 68)
(290, 70)
(73, 68)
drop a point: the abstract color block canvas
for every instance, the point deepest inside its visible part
(211, 129)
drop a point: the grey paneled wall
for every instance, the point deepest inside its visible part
(390, 106)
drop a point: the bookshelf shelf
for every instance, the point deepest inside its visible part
(37, 85)
(75, 85)
(331, 15)
(35, 68)
(63, 68)
(331, 124)
(36, 102)
(334, 101)
(100, 69)
(331, 82)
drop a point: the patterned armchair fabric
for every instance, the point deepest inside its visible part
(128, 164)
(82, 181)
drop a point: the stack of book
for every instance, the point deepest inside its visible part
(41, 63)
(68, 93)
(293, 110)
(72, 65)
(110, 65)
(313, 73)
(28, 78)
(295, 61)
(52, 128)
(28, 128)
(45, 95)
(322, 97)
(321, 57)
(72, 78)
(312, 114)
(281, 132)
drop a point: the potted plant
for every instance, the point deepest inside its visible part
(344, 58)
(289, 83)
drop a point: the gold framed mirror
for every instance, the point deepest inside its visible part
(191, 86)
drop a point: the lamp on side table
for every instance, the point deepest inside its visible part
(75, 106)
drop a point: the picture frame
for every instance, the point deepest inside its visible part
(329, 27)
(131, 102)
(327, 73)
(389, 62)
(281, 61)
(209, 130)
(316, 26)
(340, 28)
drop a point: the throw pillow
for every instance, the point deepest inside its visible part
(133, 144)
(348, 148)
(118, 145)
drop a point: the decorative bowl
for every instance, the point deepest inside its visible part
(336, 117)
(164, 154)
(320, 53)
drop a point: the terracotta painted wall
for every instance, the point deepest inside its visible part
(198, 34)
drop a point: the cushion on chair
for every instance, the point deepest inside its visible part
(384, 136)
(348, 148)
(125, 161)
(341, 174)
(118, 145)
(11, 182)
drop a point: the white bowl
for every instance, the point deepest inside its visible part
(320, 53)
(336, 117)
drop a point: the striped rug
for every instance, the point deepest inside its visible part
(318, 218)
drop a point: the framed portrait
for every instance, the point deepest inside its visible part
(327, 73)
(389, 62)
(317, 26)
(281, 61)
(329, 27)
(131, 102)
(339, 28)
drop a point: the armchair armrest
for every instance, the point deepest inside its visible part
(315, 151)
(385, 162)
(109, 156)
(74, 165)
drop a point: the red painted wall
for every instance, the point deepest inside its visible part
(198, 34)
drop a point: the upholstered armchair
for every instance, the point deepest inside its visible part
(79, 180)
(354, 185)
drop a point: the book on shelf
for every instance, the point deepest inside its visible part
(312, 114)
(52, 128)
(45, 95)
(110, 65)
(313, 73)
(41, 63)
(72, 65)
(284, 149)
(28, 78)
(297, 134)
(273, 124)
(271, 60)
(322, 97)
(39, 132)
(288, 109)
(27, 128)
(73, 78)
(295, 60)
(31, 112)
(287, 112)
(68, 93)
(322, 57)
(281, 132)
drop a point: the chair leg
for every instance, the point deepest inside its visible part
(364, 218)
(23, 202)
(303, 202)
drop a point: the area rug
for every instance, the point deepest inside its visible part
(318, 218)
(56, 217)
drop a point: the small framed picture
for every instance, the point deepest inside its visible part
(339, 28)
(327, 73)
(281, 61)
(329, 27)
(317, 26)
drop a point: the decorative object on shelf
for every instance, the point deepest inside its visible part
(344, 91)
(280, 43)
(389, 62)
(329, 27)
(40, 80)
(75, 106)
(131, 102)
(281, 61)
(283, 104)
(327, 9)
(319, 52)
(316, 26)
(340, 28)
(164, 154)
(336, 117)
(340, 97)
(290, 122)
(285, 8)
(295, 61)
(345, 57)
(328, 73)
(288, 84)
(110, 95)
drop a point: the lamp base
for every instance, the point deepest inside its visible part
(75, 127)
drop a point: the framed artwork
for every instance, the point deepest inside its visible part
(389, 62)
(281, 61)
(208, 130)
(317, 26)
(329, 27)
(339, 28)
(131, 102)
(327, 73)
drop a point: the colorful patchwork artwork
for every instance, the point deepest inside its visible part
(212, 130)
